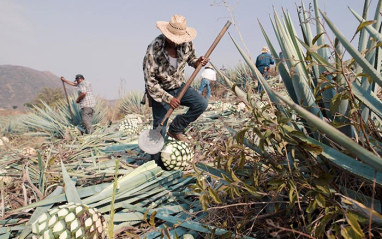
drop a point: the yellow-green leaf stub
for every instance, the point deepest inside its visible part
(364, 24)
(70, 221)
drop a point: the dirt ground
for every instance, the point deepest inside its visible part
(7, 112)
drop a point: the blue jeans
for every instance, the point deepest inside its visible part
(259, 86)
(203, 84)
(197, 105)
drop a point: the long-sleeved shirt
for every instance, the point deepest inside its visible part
(209, 74)
(264, 60)
(89, 99)
(159, 74)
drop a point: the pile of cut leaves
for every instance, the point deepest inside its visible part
(108, 172)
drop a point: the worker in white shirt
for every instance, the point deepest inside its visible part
(208, 75)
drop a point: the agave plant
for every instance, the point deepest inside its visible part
(327, 125)
(56, 120)
(12, 125)
(242, 76)
(131, 104)
(327, 89)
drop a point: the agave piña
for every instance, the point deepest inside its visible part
(176, 155)
(70, 221)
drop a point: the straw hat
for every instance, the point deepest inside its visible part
(176, 30)
(264, 50)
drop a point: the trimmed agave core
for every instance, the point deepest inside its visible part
(70, 221)
(129, 125)
(176, 155)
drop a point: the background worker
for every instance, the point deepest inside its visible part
(263, 62)
(208, 75)
(86, 100)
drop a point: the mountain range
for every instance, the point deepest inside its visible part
(20, 85)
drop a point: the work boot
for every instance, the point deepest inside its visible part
(178, 137)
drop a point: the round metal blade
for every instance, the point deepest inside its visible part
(151, 141)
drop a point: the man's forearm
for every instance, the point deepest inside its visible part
(80, 97)
(68, 82)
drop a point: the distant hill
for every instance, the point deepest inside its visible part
(20, 85)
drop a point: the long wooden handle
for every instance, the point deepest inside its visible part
(67, 99)
(197, 69)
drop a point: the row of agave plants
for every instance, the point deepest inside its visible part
(314, 168)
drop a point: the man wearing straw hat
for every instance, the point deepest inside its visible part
(163, 68)
(263, 62)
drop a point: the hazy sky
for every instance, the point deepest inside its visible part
(107, 40)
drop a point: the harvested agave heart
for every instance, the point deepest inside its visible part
(70, 221)
(176, 155)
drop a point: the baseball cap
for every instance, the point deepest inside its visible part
(79, 76)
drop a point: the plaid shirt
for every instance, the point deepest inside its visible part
(89, 99)
(159, 74)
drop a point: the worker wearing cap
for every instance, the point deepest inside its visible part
(263, 62)
(86, 100)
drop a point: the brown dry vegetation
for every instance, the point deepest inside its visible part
(7, 112)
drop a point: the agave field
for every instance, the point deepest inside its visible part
(301, 160)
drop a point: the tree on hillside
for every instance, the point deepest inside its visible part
(48, 95)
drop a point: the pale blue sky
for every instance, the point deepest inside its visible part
(106, 40)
